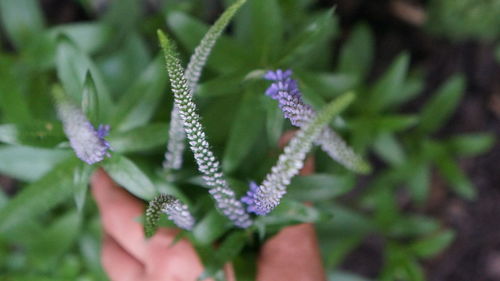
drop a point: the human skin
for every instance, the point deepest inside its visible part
(292, 254)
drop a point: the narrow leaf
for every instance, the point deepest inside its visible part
(28, 163)
(124, 172)
(440, 107)
(90, 100)
(39, 197)
(389, 86)
(246, 128)
(144, 138)
(137, 105)
(357, 53)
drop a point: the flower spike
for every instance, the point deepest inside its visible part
(87, 142)
(173, 208)
(284, 89)
(175, 146)
(264, 198)
(207, 164)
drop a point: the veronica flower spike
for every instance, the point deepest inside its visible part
(262, 199)
(207, 164)
(175, 146)
(173, 208)
(87, 142)
(284, 89)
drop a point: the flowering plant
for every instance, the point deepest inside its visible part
(199, 144)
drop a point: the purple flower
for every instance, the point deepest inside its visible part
(251, 200)
(87, 142)
(284, 89)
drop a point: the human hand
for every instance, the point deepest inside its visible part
(292, 254)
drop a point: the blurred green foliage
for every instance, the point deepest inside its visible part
(465, 19)
(49, 230)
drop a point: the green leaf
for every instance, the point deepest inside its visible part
(227, 56)
(54, 241)
(389, 149)
(27, 163)
(142, 138)
(386, 123)
(126, 173)
(227, 251)
(137, 105)
(292, 212)
(432, 245)
(455, 177)
(245, 130)
(468, 145)
(88, 36)
(22, 20)
(322, 27)
(440, 107)
(131, 53)
(328, 85)
(225, 84)
(319, 187)
(418, 181)
(390, 85)
(81, 179)
(72, 67)
(90, 100)
(413, 225)
(266, 29)
(211, 227)
(36, 133)
(274, 120)
(13, 101)
(356, 55)
(39, 197)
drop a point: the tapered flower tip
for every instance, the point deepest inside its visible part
(278, 75)
(272, 91)
(259, 202)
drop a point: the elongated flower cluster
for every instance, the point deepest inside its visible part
(173, 208)
(87, 142)
(284, 89)
(264, 198)
(207, 164)
(175, 146)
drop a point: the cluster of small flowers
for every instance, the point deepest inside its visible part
(284, 89)
(207, 164)
(87, 142)
(178, 213)
(264, 198)
(175, 145)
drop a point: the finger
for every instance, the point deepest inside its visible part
(293, 255)
(118, 263)
(168, 261)
(119, 211)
